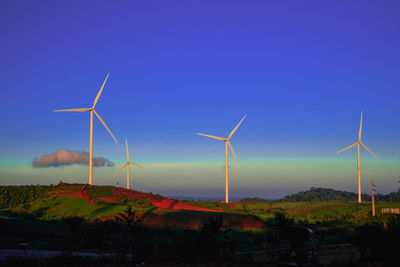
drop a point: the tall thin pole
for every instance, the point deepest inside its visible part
(226, 173)
(359, 173)
(91, 149)
(373, 197)
(127, 178)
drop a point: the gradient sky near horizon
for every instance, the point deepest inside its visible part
(302, 72)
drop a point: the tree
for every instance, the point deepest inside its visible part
(282, 219)
(130, 218)
(211, 242)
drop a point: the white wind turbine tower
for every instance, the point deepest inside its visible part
(127, 165)
(92, 110)
(358, 143)
(226, 140)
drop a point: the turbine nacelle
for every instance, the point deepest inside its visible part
(92, 109)
(226, 140)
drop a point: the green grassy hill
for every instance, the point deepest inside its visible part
(70, 200)
(105, 202)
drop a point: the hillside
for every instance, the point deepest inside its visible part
(103, 203)
(78, 217)
(94, 203)
(327, 194)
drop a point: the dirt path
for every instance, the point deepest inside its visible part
(172, 204)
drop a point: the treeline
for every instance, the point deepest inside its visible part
(253, 200)
(326, 194)
(11, 196)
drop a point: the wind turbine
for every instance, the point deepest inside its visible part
(92, 110)
(226, 140)
(358, 143)
(127, 165)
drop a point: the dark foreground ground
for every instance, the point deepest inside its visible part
(26, 241)
(77, 225)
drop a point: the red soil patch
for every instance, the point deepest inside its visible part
(165, 203)
(84, 194)
(108, 199)
(232, 206)
(81, 193)
(108, 218)
(158, 201)
(171, 204)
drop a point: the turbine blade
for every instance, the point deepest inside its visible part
(98, 116)
(137, 165)
(359, 133)
(233, 153)
(215, 137)
(127, 150)
(126, 164)
(99, 93)
(73, 109)
(237, 126)
(347, 147)
(371, 152)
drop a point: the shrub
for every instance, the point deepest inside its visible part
(282, 219)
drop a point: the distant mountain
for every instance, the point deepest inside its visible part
(327, 194)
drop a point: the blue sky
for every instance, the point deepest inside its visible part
(302, 71)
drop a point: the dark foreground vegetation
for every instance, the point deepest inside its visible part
(124, 241)
(348, 237)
